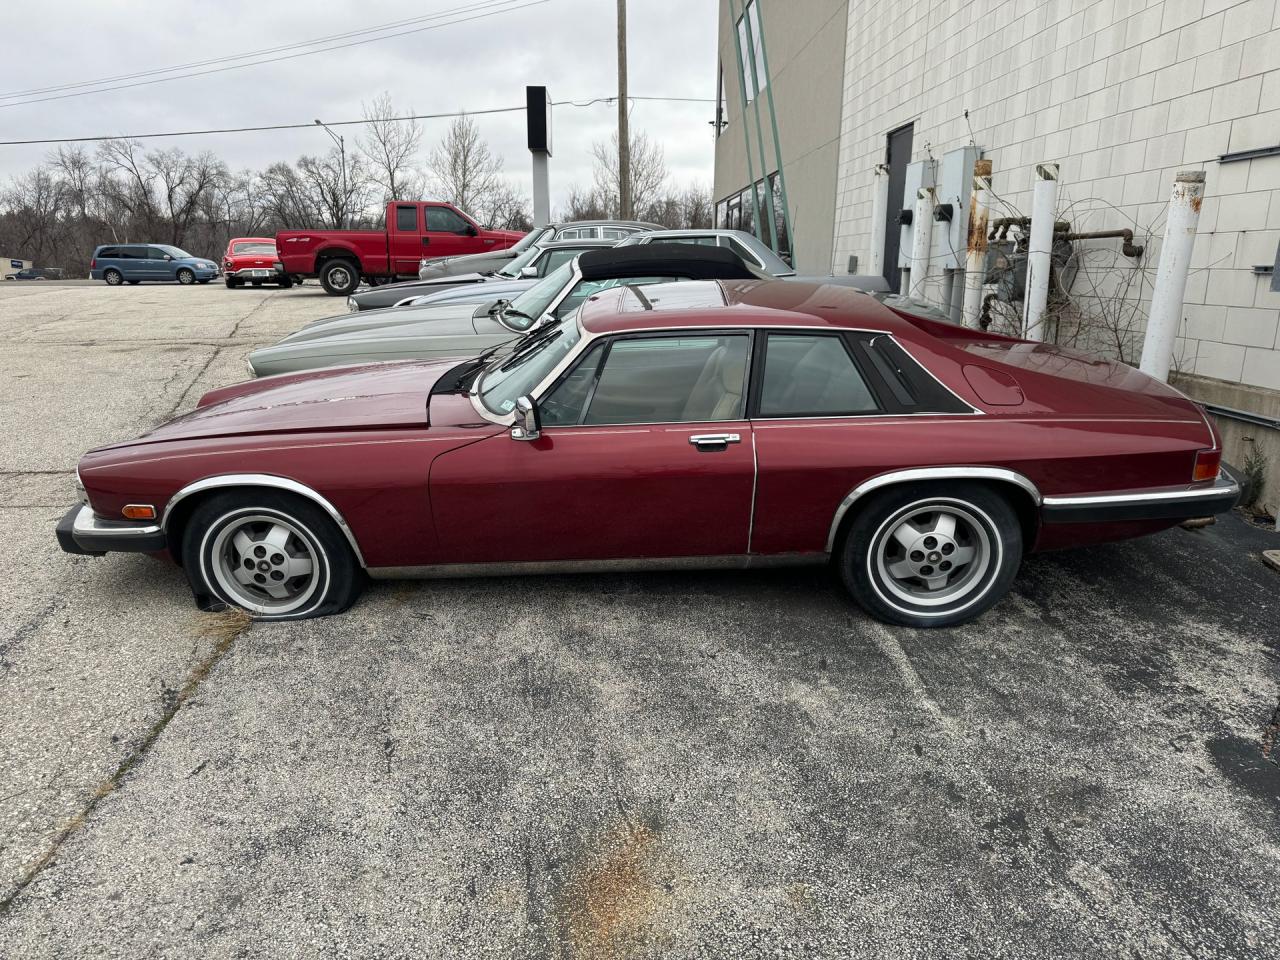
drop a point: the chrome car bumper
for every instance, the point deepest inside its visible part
(80, 532)
(1165, 503)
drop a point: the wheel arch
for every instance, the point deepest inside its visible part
(183, 503)
(325, 254)
(1023, 495)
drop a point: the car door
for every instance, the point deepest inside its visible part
(132, 262)
(409, 244)
(155, 266)
(449, 235)
(645, 453)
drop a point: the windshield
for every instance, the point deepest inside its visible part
(522, 312)
(263, 248)
(532, 237)
(176, 253)
(513, 268)
(533, 357)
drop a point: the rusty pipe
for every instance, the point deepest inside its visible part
(1128, 248)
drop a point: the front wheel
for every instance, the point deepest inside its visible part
(232, 283)
(923, 555)
(277, 556)
(186, 277)
(339, 278)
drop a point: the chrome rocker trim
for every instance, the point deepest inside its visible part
(1154, 503)
(271, 482)
(450, 571)
(927, 473)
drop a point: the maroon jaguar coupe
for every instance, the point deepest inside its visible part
(685, 425)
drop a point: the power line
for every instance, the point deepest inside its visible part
(334, 123)
(292, 56)
(252, 53)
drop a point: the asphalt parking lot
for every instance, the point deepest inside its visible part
(683, 765)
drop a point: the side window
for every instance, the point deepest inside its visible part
(615, 233)
(444, 220)
(132, 253)
(588, 288)
(684, 379)
(577, 233)
(696, 241)
(108, 252)
(741, 250)
(564, 405)
(554, 259)
(407, 219)
(811, 375)
(152, 253)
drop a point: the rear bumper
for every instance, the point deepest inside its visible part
(1165, 503)
(80, 532)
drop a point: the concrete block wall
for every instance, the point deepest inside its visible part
(1122, 94)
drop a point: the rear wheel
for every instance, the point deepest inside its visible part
(286, 282)
(339, 278)
(277, 556)
(113, 278)
(186, 277)
(232, 283)
(923, 555)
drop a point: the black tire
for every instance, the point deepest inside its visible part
(212, 559)
(299, 280)
(340, 278)
(186, 277)
(232, 283)
(112, 278)
(286, 282)
(984, 523)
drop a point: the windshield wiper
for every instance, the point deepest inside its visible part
(468, 368)
(528, 350)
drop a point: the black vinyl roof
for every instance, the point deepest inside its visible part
(685, 260)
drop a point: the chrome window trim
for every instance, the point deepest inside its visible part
(927, 473)
(263, 480)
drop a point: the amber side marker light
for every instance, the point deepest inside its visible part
(139, 511)
(1207, 463)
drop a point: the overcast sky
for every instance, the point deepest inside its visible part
(568, 45)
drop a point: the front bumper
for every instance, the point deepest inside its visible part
(1167, 503)
(80, 532)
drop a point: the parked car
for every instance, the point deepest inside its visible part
(117, 263)
(534, 263)
(341, 258)
(750, 248)
(615, 230)
(253, 260)
(686, 425)
(26, 274)
(464, 330)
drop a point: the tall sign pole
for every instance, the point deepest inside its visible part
(625, 211)
(538, 120)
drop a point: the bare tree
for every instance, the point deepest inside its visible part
(390, 146)
(505, 208)
(648, 171)
(464, 170)
(340, 199)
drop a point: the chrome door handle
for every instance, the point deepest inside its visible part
(707, 441)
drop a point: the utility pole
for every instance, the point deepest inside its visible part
(342, 158)
(624, 134)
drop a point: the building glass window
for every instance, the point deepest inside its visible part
(744, 58)
(722, 119)
(779, 219)
(752, 16)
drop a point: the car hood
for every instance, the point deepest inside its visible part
(387, 317)
(496, 288)
(377, 396)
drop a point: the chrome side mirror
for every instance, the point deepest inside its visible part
(528, 424)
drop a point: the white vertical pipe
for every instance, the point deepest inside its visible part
(976, 264)
(1044, 203)
(948, 288)
(921, 235)
(879, 210)
(541, 190)
(1171, 276)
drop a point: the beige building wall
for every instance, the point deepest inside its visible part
(805, 44)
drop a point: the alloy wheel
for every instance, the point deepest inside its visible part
(933, 554)
(266, 563)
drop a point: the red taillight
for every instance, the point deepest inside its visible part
(1207, 463)
(93, 264)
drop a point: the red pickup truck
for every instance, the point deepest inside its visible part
(340, 258)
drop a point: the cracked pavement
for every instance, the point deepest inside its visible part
(676, 765)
